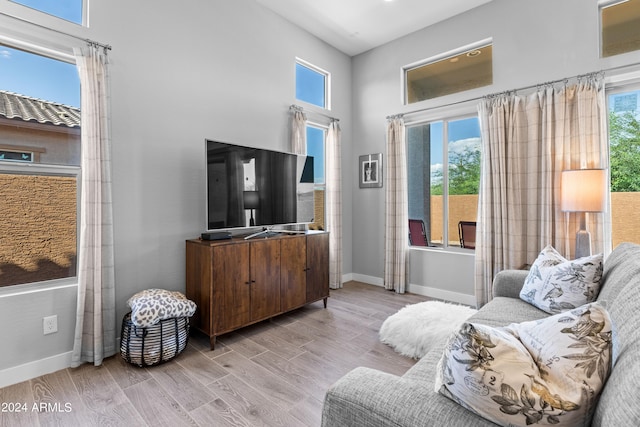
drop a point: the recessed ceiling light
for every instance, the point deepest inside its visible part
(473, 53)
(454, 59)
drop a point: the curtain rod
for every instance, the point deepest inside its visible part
(106, 47)
(295, 107)
(478, 98)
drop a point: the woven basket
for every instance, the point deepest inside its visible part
(153, 345)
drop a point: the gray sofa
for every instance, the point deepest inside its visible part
(367, 397)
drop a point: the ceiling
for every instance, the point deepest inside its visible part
(355, 26)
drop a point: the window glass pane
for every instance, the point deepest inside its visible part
(38, 228)
(624, 159)
(620, 28)
(70, 10)
(39, 124)
(446, 192)
(464, 71)
(311, 86)
(424, 184)
(463, 151)
(316, 149)
(39, 114)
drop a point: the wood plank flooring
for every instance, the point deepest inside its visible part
(274, 373)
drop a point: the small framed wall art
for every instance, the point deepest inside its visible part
(371, 170)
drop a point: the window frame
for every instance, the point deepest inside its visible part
(327, 83)
(43, 169)
(41, 17)
(463, 111)
(604, 4)
(404, 97)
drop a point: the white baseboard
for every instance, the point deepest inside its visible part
(371, 280)
(27, 371)
(421, 290)
(443, 294)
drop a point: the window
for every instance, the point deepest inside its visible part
(624, 163)
(69, 10)
(449, 73)
(39, 167)
(446, 192)
(315, 148)
(312, 84)
(620, 26)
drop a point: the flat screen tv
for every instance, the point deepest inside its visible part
(254, 187)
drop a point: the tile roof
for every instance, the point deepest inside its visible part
(16, 106)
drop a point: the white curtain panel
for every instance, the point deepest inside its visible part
(334, 204)
(396, 214)
(527, 142)
(95, 334)
(298, 133)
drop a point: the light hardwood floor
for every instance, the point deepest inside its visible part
(274, 373)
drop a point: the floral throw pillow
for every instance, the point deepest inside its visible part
(545, 372)
(555, 284)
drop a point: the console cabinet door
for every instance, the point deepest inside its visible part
(293, 272)
(265, 278)
(317, 266)
(231, 287)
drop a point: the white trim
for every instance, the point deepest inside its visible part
(606, 3)
(27, 371)
(34, 287)
(370, 280)
(426, 291)
(442, 294)
(37, 49)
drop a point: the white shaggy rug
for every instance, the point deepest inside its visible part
(413, 329)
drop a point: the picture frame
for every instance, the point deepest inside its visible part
(370, 170)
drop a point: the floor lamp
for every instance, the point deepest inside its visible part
(582, 191)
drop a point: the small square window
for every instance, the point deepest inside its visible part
(620, 27)
(312, 84)
(449, 73)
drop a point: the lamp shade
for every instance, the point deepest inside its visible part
(583, 190)
(250, 199)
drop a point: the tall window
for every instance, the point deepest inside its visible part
(624, 160)
(452, 72)
(69, 10)
(316, 148)
(312, 84)
(446, 191)
(39, 167)
(619, 26)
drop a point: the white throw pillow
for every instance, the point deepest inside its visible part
(150, 306)
(555, 284)
(545, 372)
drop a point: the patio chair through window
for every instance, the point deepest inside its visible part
(467, 234)
(417, 233)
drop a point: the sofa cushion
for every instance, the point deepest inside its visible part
(555, 284)
(547, 371)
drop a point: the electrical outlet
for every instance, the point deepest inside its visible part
(50, 324)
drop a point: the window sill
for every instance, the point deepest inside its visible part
(29, 288)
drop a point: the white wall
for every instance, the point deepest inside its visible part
(180, 72)
(533, 42)
(185, 71)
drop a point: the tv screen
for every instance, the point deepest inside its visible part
(251, 187)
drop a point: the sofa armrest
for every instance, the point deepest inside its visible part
(367, 397)
(508, 283)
